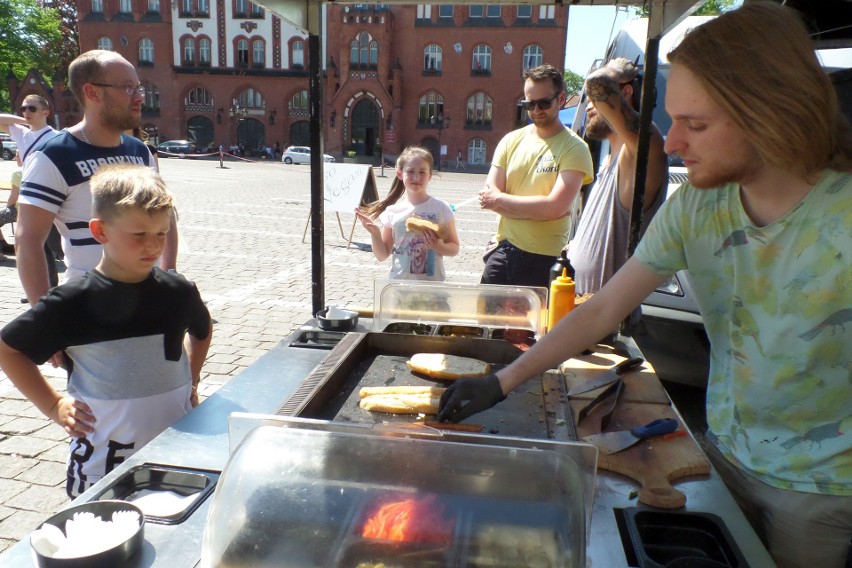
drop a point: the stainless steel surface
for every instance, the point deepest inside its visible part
(200, 440)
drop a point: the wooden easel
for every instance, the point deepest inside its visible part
(345, 187)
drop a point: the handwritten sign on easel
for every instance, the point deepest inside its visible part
(347, 186)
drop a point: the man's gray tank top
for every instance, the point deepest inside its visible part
(599, 248)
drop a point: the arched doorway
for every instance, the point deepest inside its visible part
(431, 144)
(300, 133)
(251, 133)
(366, 138)
(199, 129)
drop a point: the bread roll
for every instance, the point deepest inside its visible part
(426, 391)
(402, 403)
(415, 224)
(447, 367)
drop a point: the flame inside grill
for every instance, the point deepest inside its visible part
(410, 520)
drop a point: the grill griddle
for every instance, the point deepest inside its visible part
(330, 392)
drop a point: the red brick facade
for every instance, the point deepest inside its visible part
(227, 71)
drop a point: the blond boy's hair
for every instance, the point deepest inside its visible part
(119, 188)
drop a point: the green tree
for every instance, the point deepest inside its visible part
(30, 37)
(69, 47)
(573, 83)
(709, 8)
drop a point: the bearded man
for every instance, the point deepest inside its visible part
(55, 185)
(599, 247)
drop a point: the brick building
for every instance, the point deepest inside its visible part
(229, 71)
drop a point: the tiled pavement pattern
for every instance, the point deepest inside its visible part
(241, 233)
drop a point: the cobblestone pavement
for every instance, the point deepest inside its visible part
(241, 230)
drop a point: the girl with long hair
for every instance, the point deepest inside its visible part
(418, 251)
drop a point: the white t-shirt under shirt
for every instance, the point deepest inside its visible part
(411, 260)
(56, 178)
(25, 137)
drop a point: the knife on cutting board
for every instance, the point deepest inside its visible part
(613, 442)
(606, 377)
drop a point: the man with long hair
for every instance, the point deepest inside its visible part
(765, 229)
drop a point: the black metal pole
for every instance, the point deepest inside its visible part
(644, 149)
(317, 176)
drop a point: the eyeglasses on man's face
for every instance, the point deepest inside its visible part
(542, 104)
(29, 108)
(129, 90)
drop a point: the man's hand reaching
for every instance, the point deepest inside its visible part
(467, 396)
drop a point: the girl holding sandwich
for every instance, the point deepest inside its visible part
(418, 231)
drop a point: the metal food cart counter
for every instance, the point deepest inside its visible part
(200, 442)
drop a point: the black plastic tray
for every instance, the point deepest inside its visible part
(667, 538)
(156, 477)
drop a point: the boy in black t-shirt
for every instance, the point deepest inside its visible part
(133, 368)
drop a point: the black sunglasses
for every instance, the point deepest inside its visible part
(542, 104)
(31, 108)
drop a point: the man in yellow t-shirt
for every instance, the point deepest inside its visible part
(535, 175)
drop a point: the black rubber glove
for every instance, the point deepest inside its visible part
(467, 396)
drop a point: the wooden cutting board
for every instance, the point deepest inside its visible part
(653, 463)
(640, 385)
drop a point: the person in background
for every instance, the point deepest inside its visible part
(9, 214)
(599, 247)
(417, 255)
(55, 185)
(123, 325)
(536, 173)
(460, 160)
(765, 228)
(30, 130)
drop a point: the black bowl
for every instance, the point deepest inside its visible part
(110, 558)
(342, 324)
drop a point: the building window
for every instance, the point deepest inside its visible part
(256, 10)
(431, 106)
(186, 8)
(546, 12)
(364, 51)
(479, 109)
(445, 11)
(525, 11)
(105, 43)
(298, 56)
(476, 152)
(485, 11)
(251, 99)
(152, 98)
(300, 102)
(199, 96)
(241, 8)
(189, 51)
(424, 11)
(146, 51)
(481, 59)
(242, 52)
(203, 7)
(533, 57)
(204, 51)
(258, 48)
(432, 58)
(153, 6)
(125, 6)
(98, 6)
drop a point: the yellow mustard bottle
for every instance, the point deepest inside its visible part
(560, 301)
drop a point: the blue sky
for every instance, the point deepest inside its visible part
(590, 29)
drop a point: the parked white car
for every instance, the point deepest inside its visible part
(301, 155)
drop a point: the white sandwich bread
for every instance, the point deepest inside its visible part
(401, 400)
(447, 367)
